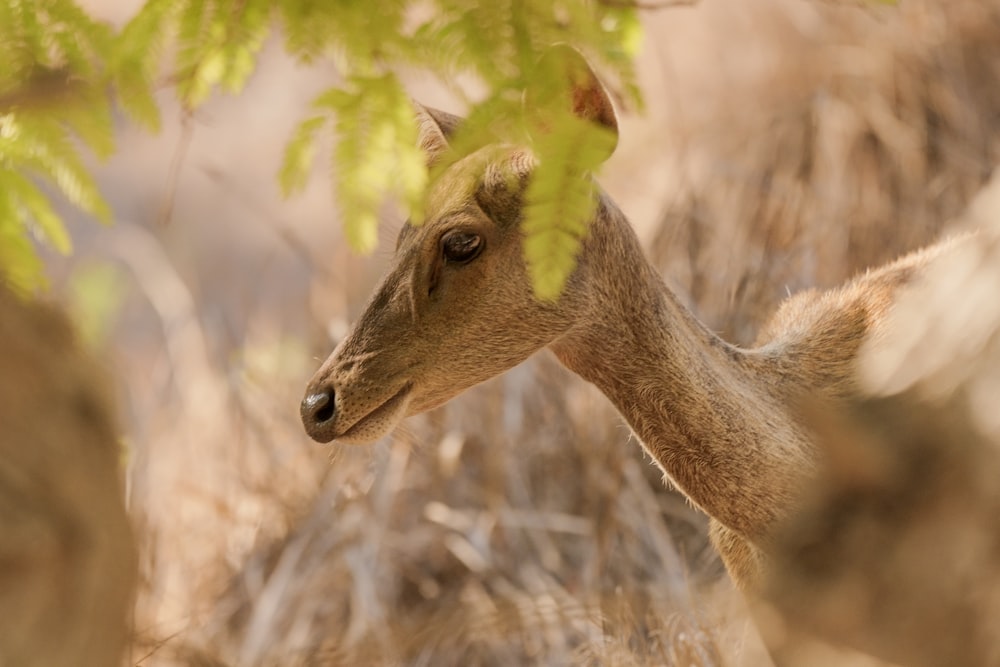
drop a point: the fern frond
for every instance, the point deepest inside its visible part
(500, 44)
(375, 155)
(247, 31)
(559, 202)
(477, 38)
(53, 95)
(136, 59)
(20, 266)
(299, 155)
(43, 145)
(56, 63)
(361, 34)
(218, 44)
(91, 119)
(307, 27)
(35, 212)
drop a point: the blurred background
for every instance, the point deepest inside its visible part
(786, 144)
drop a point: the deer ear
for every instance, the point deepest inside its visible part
(583, 94)
(434, 128)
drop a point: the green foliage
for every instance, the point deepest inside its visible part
(52, 97)
(218, 45)
(499, 44)
(60, 71)
(136, 60)
(58, 67)
(359, 34)
(376, 150)
(560, 200)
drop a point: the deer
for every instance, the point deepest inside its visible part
(457, 308)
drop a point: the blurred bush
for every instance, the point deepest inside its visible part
(67, 559)
(895, 549)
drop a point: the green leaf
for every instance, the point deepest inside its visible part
(136, 59)
(218, 43)
(37, 206)
(92, 121)
(299, 155)
(135, 95)
(57, 57)
(42, 145)
(240, 63)
(375, 155)
(20, 266)
(560, 200)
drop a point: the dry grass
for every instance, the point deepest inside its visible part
(492, 545)
(862, 134)
(519, 524)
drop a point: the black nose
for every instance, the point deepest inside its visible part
(317, 410)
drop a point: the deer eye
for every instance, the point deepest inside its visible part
(461, 247)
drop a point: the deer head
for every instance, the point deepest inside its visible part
(457, 307)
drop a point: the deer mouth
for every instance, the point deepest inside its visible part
(380, 420)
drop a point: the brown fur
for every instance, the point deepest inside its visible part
(67, 560)
(715, 417)
(895, 549)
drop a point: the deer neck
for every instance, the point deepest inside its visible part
(697, 403)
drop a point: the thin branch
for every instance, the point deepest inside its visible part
(176, 163)
(157, 645)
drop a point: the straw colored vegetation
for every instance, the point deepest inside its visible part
(519, 524)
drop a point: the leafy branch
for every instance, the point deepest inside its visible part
(62, 73)
(52, 74)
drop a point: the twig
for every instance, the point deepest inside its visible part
(176, 163)
(157, 646)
